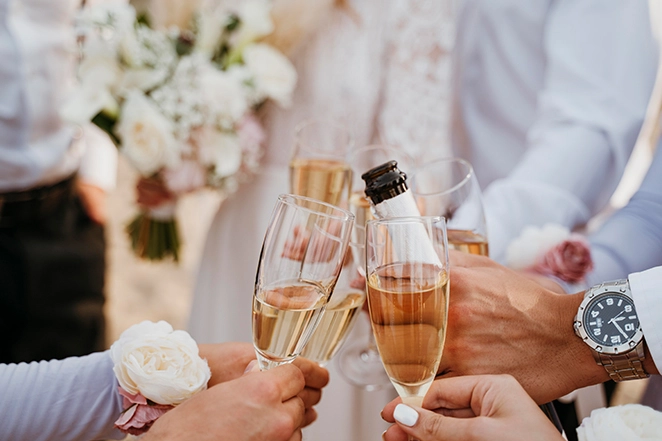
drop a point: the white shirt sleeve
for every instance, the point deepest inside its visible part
(99, 162)
(647, 294)
(75, 399)
(631, 239)
(600, 67)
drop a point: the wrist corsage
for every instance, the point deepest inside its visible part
(551, 250)
(157, 368)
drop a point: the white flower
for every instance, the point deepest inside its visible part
(86, 102)
(161, 364)
(523, 251)
(210, 29)
(273, 74)
(631, 422)
(219, 149)
(255, 17)
(223, 94)
(146, 135)
(187, 177)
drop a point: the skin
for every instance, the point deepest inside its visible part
(503, 322)
(93, 199)
(258, 406)
(228, 362)
(151, 193)
(474, 408)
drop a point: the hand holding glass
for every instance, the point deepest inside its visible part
(302, 255)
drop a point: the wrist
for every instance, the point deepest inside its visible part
(580, 366)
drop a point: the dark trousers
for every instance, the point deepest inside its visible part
(52, 273)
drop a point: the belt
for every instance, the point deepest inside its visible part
(31, 205)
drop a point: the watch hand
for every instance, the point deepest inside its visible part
(614, 318)
(620, 319)
(620, 329)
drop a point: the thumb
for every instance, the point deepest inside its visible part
(425, 425)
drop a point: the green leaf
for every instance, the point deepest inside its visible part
(107, 123)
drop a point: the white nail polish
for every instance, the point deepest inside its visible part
(405, 415)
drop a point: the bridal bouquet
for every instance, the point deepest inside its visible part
(179, 98)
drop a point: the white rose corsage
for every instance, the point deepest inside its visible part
(157, 368)
(630, 422)
(551, 250)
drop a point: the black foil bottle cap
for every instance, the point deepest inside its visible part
(384, 182)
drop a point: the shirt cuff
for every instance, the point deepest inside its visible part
(645, 287)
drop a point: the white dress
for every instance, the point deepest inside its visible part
(385, 73)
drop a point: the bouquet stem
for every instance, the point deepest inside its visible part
(154, 237)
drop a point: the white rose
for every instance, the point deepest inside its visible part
(147, 136)
(274, 75)
(220, 150)
(161, 364)
(256, 22)
(223, 94)
(631, 422)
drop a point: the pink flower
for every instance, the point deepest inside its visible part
(186, 177)
(139, 414)
(569, 260)
(251, 139)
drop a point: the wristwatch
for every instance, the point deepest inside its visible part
(607, 321)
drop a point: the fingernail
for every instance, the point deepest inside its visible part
(405, 415)
(250, 366)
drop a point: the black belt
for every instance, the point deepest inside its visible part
(31, 205)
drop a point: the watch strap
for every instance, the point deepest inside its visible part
(623, 367)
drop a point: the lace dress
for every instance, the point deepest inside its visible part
(383, 70)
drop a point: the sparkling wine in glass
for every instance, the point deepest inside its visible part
(341, 312)
(318, 167)
(448, 187)
(360, 363)
(408, 272)
(301, 258)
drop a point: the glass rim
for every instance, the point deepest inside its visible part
(408, 219)
(467, 177)
(288, 198)
(330, 121)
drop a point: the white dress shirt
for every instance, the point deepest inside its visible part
(550, 96)
(75, 399)
(646, 291)
(37, 48)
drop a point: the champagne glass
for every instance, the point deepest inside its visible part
(448, 187)
(407, 272)
(360, 363)
(318, 167)
(341, 311)
(301, 258)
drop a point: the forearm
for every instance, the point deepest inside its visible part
(68, 400)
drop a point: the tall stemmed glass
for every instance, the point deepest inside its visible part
(301, 258)
(360, 363)
(407, 268)
(341, 312)
(448, 187)
(318, 166)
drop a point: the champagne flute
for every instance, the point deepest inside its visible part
(407, 271)
(360, 363)
(341, 311)
(318, 167)
(301, 258)
(448, 187)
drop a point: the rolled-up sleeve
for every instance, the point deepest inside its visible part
(645, 288)
(601, 61)
(74, 399)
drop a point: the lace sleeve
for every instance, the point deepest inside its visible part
(416, 94)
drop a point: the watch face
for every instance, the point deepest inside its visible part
(611, 319)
